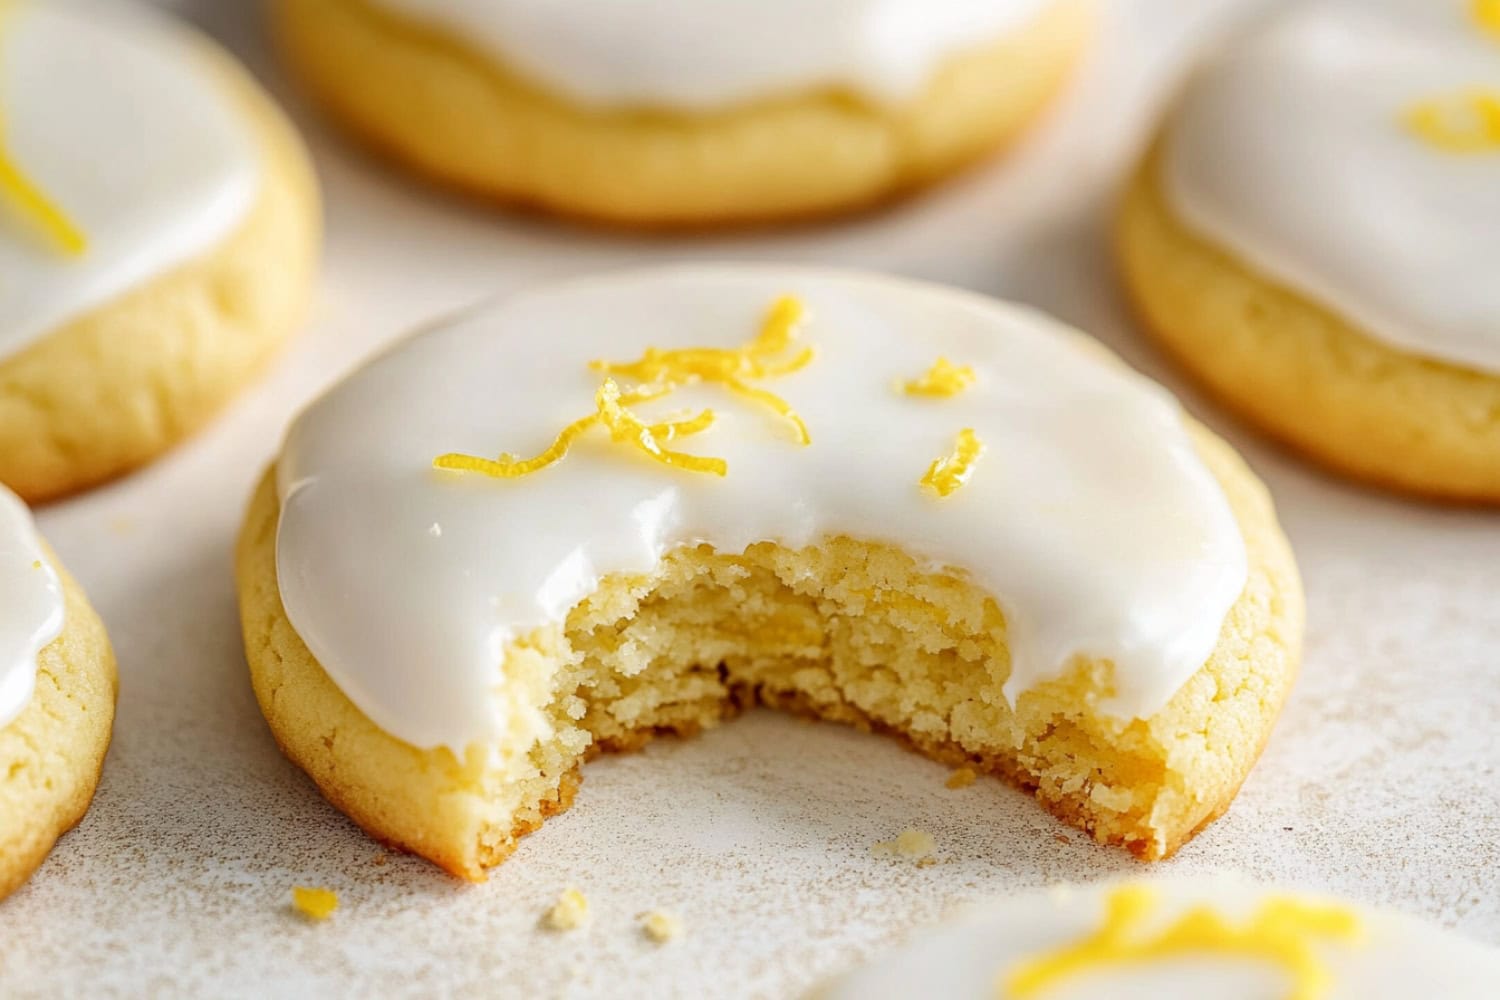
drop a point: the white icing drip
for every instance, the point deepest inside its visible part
(1290, 150)
(1397, 959)
(1090, 517)
(699, 56)
(109, 110)
(31, 605)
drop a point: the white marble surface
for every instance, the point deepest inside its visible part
(1380, 783)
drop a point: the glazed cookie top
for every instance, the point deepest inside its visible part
(1214, 936)
(1350, 149)
(31, 605)
(119, 158)
(695, 56)
(1062, 483)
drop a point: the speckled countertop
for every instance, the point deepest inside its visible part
(1380, 782)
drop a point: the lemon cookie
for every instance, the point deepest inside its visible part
(629, 504)
(1218, 936)
(1315, 237)
(675, 112)
(57, 698)
(158, 226)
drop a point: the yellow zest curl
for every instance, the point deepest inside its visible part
(623, 426)
(1463, 123)
(27, 198)
(763, 357)
(1487, 16)
(1281, 932)
(627, 428)
(944, 378)
(948, 473)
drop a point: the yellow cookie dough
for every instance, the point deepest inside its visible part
(455, 115)
(1303, 374)
(51, 754)
(798, 629)
(112, 389)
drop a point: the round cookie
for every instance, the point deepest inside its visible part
(57, 698)
(1216, 935)
(670, 113)
(1315, 246)
(137, 298)
(1084, 593)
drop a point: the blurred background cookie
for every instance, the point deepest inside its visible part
(1316, 234)
(677, 112)
(158, 230)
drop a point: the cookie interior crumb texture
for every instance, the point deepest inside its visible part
(570, 912)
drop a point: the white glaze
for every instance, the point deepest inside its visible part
(694, 55)
(108, 108)
(1089, 517)
(1399, 957)
(31, 605)
(1290, 151)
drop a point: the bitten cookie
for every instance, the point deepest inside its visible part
(57, 698)
(630, 504)
(1315, 237)
(1218, 936)
(158, 231)
(676, 112)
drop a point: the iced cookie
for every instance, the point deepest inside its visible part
(627, 505)
(158, 231)
(57, 697)
(679, 112)
(1315, 237)
(1209, 936)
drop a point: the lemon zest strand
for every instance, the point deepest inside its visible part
(1462, 123)
(948, 473)
(775, 403)
(626, 427)
(27, 197)
(1280, 932)
(760, 358)
(1487, 16)
(610, 412)
(944, 378)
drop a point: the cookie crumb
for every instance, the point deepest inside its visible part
(382, 858)
(661, 927)
(1061, 839)
(962, 778)
(314, 904)
(570, 912)
(926, 862)
(915, 844)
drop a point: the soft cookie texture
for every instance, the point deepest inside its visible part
(1302, 373)
(1086, 593)
(457, 115)
(113, 388)
(52, 753)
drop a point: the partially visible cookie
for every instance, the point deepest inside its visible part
(1219, 935)
(57, 698)
(682, 113)
(1314, 237)
(159, 244)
